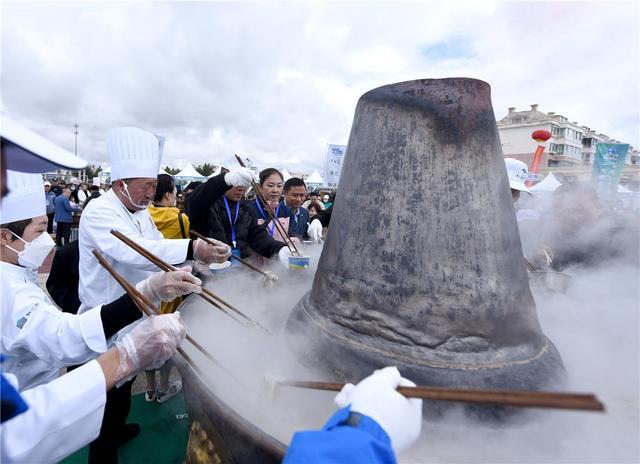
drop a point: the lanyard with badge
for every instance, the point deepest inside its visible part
(232, 222)
(264, 216)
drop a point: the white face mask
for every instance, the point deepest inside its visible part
(34, 251)
(125, 192)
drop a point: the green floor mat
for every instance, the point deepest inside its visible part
(164, 431)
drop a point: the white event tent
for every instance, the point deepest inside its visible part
(314, 180)
(189, 174)
(548, 184)
(285, 175)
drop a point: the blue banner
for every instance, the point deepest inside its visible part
(607, 169)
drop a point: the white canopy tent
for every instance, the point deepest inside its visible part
(548, 184)
(189, 174)
(285, 174)
(314, 180)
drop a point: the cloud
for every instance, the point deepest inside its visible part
(280, 81)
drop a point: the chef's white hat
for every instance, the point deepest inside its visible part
(26, 151)
(133, 153)
(518, 172)
(25, 199)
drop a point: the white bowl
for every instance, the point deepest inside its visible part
(219, 267)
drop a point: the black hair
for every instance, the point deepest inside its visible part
(315, 205)
(293, 182)
(166, 184)
(17, 227)
(94, 188)
(265, 173)
(74, 196)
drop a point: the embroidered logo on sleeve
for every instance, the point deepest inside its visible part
(23, 320)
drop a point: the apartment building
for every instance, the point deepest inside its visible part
(569, 152)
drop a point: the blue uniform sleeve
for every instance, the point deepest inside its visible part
(342, 441)
(12, 402)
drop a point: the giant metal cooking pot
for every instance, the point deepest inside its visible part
(218, 433)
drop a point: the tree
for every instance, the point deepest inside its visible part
(205, 169)
(91, 172)
(172, 171)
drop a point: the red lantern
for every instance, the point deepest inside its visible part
(541, 135)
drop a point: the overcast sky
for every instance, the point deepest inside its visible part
(278, 81)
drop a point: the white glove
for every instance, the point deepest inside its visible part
(376, 397)
(166, 286)
(269, 279)
(315, 231)
(208, 254)
(239, 177)
(283, 256)
(150, 343)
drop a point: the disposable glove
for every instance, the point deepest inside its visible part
(283, 256)
(376, 397)
(150, 343)
(208, 254)
(270, 279)
(315, 231)
(166, 286)
(239, 177)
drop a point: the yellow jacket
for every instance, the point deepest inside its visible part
(167, 222)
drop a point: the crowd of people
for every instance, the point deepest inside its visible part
(572, 227)
(64, 200)
(291, 202)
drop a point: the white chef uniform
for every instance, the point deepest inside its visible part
(63, 416)
(133, 153)
(101, 216)
(36, 337)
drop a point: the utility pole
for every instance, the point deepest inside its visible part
(75, 151)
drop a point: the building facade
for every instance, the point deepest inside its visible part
(569, 153)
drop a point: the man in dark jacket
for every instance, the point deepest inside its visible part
(95, 193)
(295, 192)
(216, 210)
(56, 188)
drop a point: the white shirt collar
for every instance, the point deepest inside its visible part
(13, 270)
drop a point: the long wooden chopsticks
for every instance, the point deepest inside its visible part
(206, 294)
(240, 260)
(527, 399)
(287, 240)
(529, 265)
(145, 306)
